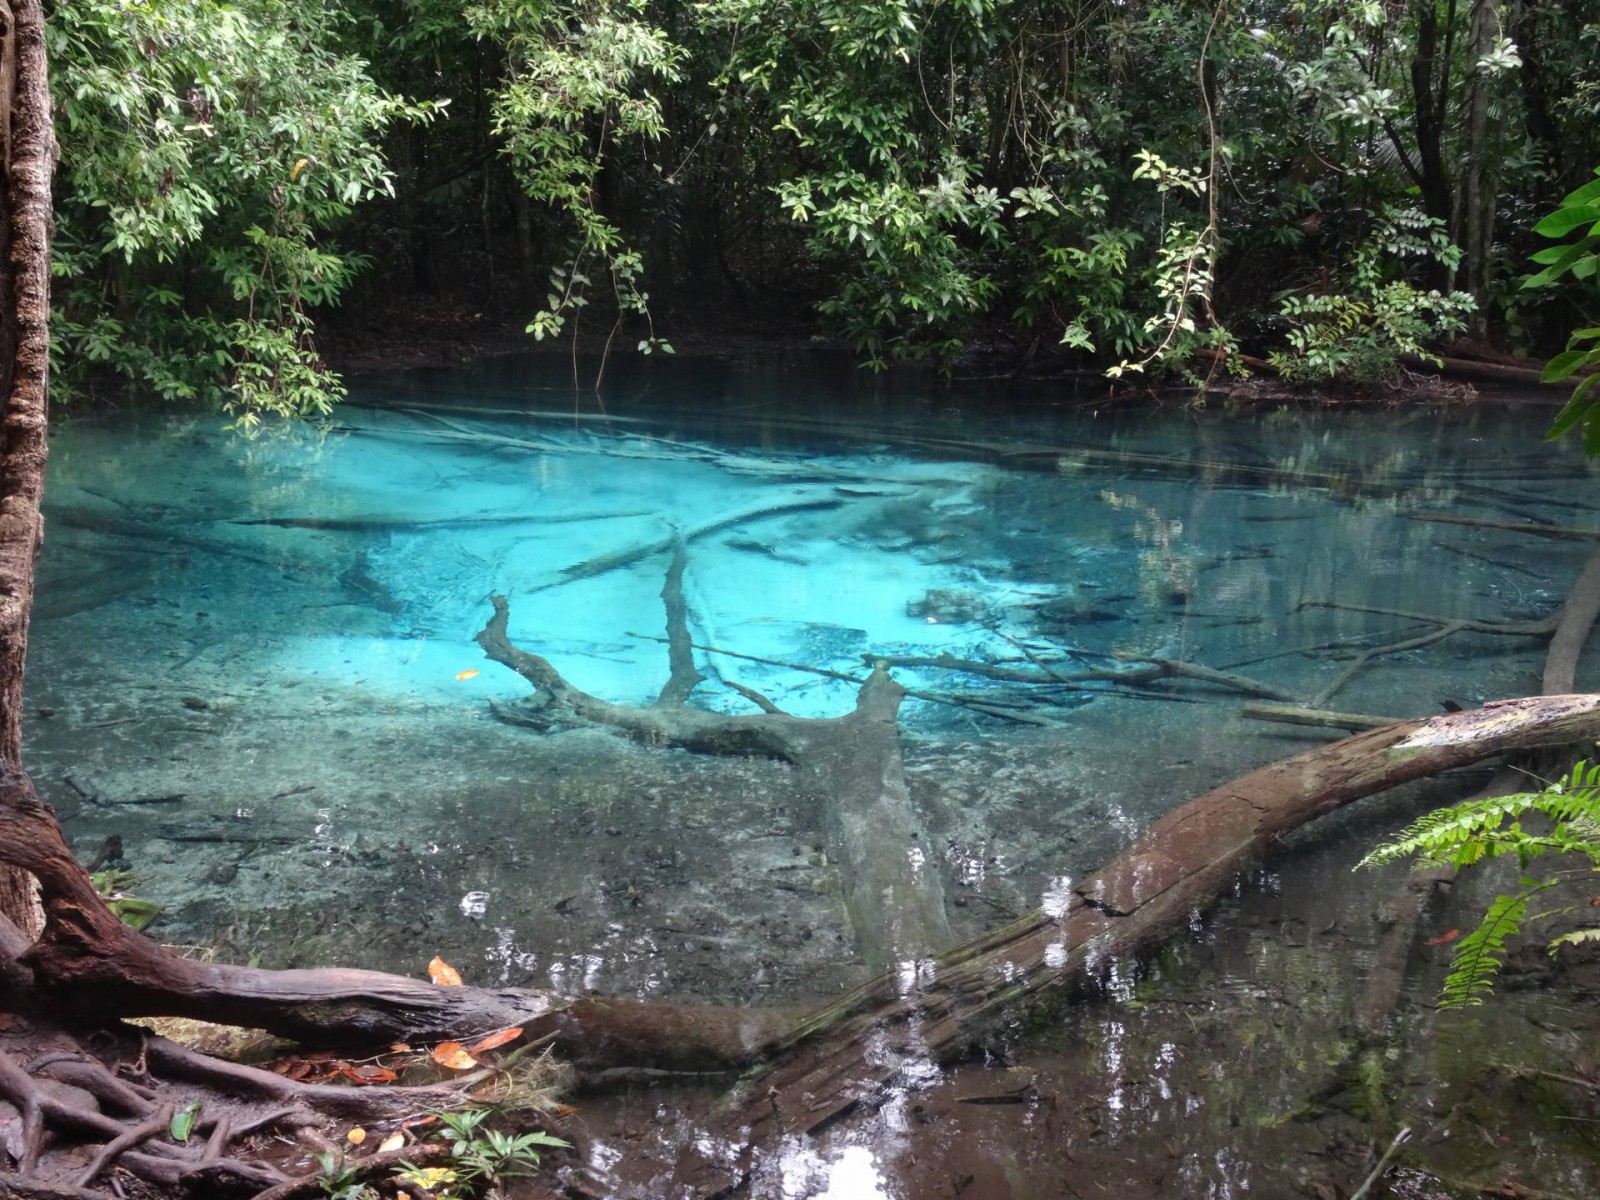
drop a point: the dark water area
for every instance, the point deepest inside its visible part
(253, 662)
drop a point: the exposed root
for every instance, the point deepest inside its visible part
(237, 1105)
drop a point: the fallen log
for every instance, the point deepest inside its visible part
(879, 1038)
(892, 892)
(1288, 714)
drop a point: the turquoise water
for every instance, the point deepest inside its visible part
(253, 663)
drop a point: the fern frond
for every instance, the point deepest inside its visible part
(1437, 835)
(1576, 937)
(1478, 955)
(1465, 833)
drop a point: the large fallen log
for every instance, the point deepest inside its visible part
(879, 1038)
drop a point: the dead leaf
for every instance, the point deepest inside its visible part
(356, 1136)
(1449, 935)
(470, 673)
(495, 1039)
(454, 1056)
(299, 165)
(399, 1047)
(369, 1075)
(443, 973)
(393, 1142)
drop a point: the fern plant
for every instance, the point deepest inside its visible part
(1475, 830)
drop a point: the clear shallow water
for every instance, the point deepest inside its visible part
(248, 661)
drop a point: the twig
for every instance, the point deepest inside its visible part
(986, 707)
(1383, 1163)
(1553, 531)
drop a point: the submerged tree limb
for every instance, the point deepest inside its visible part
(894, 896)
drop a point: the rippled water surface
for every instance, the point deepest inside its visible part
(253, 663)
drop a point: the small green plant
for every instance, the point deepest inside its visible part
(1579, 212)
(480, 1158)
(113, 887)
(1362, 332)
(1470, 832)
(338, 1179)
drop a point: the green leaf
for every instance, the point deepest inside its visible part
(1576, 937)
(1576, 409)
(1563, 365)
(1564, 220)
(1563, 255)
(1588, 193)
(183, 1121)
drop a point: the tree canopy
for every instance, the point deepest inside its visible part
(1335, 184)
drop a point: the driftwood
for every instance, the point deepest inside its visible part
(1287, 714)
(1443, 627)
(1570, 533)
(1140, 670)
(893, 894)
(404, 524)
(629, 555)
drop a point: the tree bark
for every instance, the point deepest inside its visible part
(1477, 187)
(26, 157)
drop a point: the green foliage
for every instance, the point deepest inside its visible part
(479, 1157)
(484, 1154)
(1131, 182)
(113, 887)
(207, 150)
(1578, 213)
(1362, 332)
(339, 1180)
(1475, 830)
(578, 75)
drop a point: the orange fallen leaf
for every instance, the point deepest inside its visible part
(468, 674)
(454, 1056)
(419, 1122)
(495, 1039)
(399, 1047)
(443, 973)
(356, 1136)
(369, 1075)
(1449, 935)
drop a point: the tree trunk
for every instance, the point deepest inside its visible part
(26, 157)
(1477, 185)
(1430, 96)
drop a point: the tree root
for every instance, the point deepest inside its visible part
(238, 1104)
